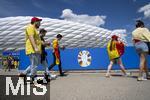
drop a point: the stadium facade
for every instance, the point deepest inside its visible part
(85, 44)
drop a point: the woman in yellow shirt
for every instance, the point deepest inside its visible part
(115, 50)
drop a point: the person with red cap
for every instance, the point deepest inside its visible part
(115, 49)
(32, 47)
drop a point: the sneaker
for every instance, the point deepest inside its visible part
(144, 79)
(127, 74)
(107, 75)
(62, 75)
(141, 79)
(53, 76)
(45, 81)
(144, 75)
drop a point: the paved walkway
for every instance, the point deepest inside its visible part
(94, 86)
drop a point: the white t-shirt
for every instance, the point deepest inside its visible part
(142, 34)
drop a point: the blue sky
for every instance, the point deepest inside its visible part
(109, 14)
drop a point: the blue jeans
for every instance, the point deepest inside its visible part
(45, 65)
(35, 59)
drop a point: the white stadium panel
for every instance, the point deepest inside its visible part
(78, 37)
(66, 26)
(75, 35)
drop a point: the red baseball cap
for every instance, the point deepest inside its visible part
(35, 19)
(115, 37)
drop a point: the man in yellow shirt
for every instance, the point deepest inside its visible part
(33, 46)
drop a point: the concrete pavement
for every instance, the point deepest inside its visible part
(95, 86)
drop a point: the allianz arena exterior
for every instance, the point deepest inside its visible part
(85, 44)
(75, 35)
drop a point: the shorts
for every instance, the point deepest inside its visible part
(148, 44)
(141, 47)
(116, 60)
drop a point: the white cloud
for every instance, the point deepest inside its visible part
(120, 31)
(146, 10)
(68, 14)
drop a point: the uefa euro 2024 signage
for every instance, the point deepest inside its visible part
(84, 58)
